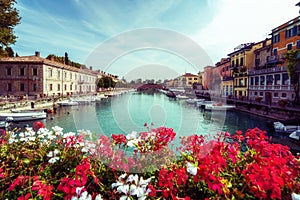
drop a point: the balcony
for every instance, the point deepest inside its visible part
(268, 71)
(227, 78)
(270, 87)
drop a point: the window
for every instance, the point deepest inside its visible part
(276, 94)
(262, 80)
(195, 79)
(277, 79)
(22, 87)
(9, 87)
(22, 71)
(283, 95)
(190, 78)
(242, 61)
(291, 32)
(237, 62)
(71, 87)
(58, 74)
(256, 80)
(34, 72)
(255, 93)
(58, 87)
(276, 38)
(298, 44)
(51, 87)
(35, 87)
(275, 52)
(50, 72)
(8, 71)
(261, 94)
(289, 46)
(65, 87)
(251, 81)
(232, 63)
(285, 79)
(241, 82)
(269, 79)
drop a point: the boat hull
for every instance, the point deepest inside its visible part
(16, 117)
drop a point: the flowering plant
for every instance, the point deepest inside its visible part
(49, 164)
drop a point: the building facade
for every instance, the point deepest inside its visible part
(226, 85)
(241, 60)
(36, 76)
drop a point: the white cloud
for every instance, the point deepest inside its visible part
(242, 21)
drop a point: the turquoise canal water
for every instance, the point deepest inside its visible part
(129, 112)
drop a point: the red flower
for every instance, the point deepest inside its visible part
(119, 139)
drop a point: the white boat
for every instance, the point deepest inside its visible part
(219, 107)
(3, 124)
(281, 128)
(100, 97)
(69, 102)
(180, 96)
(295, 135)
(23, 116)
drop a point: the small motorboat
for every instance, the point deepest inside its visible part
(171, 94)
(295, 135)
(69, 102)
(219, 107)
(22, 116)
(284, 128)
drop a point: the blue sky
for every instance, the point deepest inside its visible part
(143, 38)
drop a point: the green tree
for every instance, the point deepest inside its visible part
(106, 82)
(10, 52)
(9, 18)
(291, 63)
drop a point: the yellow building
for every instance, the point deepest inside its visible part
(242, 59)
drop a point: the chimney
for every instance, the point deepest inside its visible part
(52, 57)
(91, 68)
(37, 54)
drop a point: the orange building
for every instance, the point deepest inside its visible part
(285, 37)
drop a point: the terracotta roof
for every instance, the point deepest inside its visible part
(188, 74)
(36, 59)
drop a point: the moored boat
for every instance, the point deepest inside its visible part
(22, 116)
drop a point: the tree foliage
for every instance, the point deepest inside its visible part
(291, 63)
(66, 60)
(9, 18)
(106, 82)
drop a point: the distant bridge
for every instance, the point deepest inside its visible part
(152, 87)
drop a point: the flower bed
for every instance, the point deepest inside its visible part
(50, 164)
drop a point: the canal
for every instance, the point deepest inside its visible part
(129, 112)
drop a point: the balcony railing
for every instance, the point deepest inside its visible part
(270, 87)
(267, 71)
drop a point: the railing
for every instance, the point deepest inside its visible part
(270, 87)
(268, 70)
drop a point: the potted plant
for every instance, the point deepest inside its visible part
(258, 99)
(282, 102)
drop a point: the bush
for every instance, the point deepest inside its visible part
(48, 164)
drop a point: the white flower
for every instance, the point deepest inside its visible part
(132, 178)
(78, 190)
(132, 135)
(56, 151)
(98, 197)
(191, 168)
(295, 196)
(53, 160)
(123, 189)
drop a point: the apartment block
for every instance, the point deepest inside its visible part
(37, 76)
